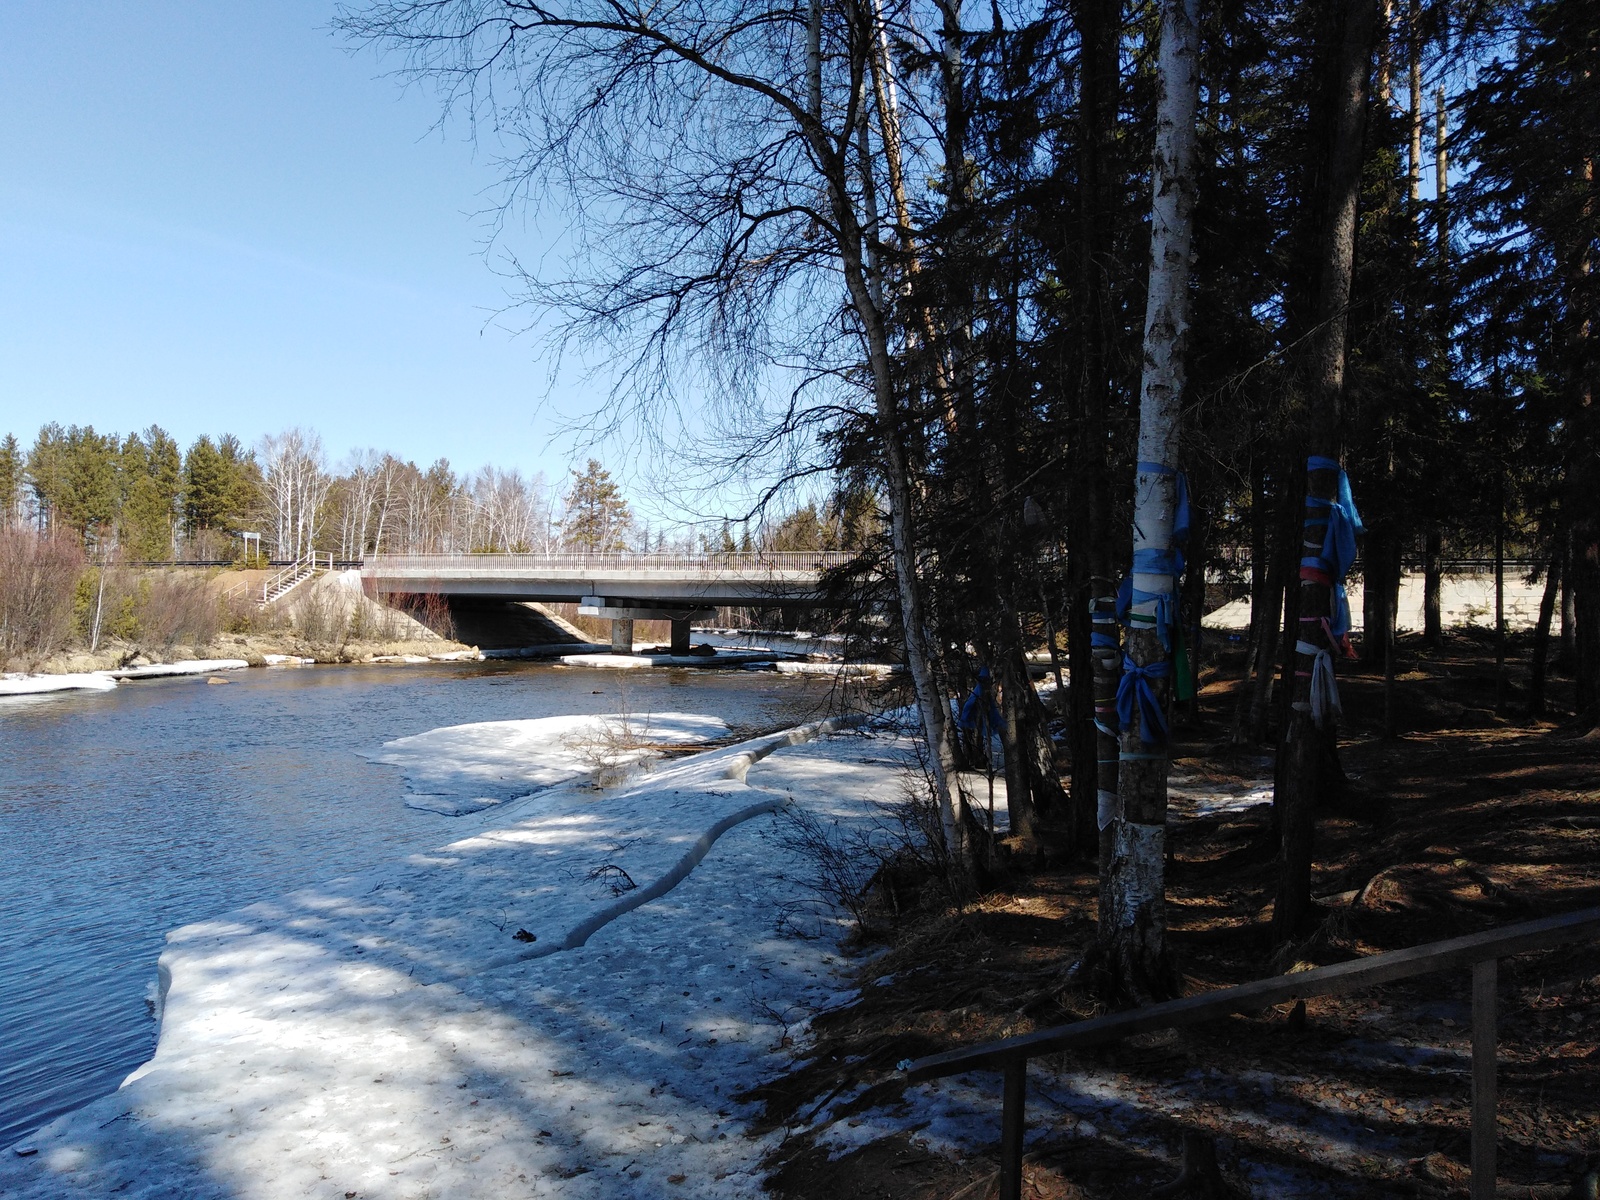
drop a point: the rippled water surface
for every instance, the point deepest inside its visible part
(128, 813)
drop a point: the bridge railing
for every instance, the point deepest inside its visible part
(1480, 951)
(756, 563)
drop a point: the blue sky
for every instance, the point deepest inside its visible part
(215, 217)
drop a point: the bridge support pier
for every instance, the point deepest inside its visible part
(680, 635)
(622, 635)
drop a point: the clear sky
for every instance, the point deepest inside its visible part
(216, 217)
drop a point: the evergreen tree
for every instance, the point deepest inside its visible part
(1533, 295)
(11, 468)
(597, 517)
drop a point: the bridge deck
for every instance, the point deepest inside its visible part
(701, 580)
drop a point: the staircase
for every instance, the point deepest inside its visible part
(277, 586)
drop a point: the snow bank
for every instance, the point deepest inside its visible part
(876, 670)
(628, 662)
(193, 666)
(388, 1035)
(465, 768)
(33, 685)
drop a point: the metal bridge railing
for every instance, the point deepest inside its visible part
(1481, 951)
(710, 565)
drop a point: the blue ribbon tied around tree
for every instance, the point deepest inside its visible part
(1338, 543)
(1135, 693)
(1153, 561)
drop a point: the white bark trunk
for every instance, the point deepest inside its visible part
(1137, 883)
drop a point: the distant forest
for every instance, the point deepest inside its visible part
(140, 498)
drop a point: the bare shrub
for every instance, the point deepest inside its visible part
(428, 609)
(174, 608)
(614, 747)
(38, 583)
(321, 619)
(870, 869)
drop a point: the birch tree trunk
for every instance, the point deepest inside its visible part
(1138, 867)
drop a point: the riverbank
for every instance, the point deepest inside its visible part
(501, 1017)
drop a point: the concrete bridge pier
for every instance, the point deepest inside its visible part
(622, 635)
(623, 613)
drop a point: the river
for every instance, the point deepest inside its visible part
(126, 814)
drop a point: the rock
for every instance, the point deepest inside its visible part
(213, 679)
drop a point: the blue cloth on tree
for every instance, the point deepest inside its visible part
(1134, 693)
(1338, 543)
(1153, 561)
(979, 708)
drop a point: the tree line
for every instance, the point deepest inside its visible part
(139, 498)
(1094, 297)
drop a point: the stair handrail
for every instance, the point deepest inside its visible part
(289, 576)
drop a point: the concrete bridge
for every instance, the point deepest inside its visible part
(623, 587)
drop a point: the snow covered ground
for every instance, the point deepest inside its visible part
(567, 1001)
(1463, 600)
(18, 684)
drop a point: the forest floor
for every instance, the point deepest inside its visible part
(1463, 821)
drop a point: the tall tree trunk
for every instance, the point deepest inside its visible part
(1260, 633)
(1432, 587)
(1284, 558)
(1196, 552)
(1380, 584)
(1539, 666)
(1567, 644)
(1500, 592)
(1433, 552)
(1095, 772)
(890, 429)
(1582, 468)
(1138, 873)
(1307, 753)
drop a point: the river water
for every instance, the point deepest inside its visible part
(126, 814)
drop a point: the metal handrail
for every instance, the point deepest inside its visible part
(782, 560)
(291, 575)
(1481, 951)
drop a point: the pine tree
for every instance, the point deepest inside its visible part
(597, 517)
(1532, 291)
(11, 467)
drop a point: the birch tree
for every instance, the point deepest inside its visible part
(726, 196)
(1136, 871)
(296, 484)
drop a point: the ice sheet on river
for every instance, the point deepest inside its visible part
(466, 768)
(18, 684)
(388, 1035)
